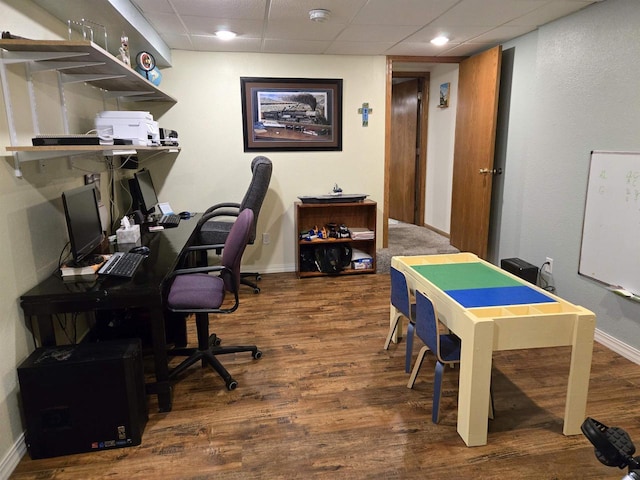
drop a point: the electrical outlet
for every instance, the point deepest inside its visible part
(548, 267)
(266, 239)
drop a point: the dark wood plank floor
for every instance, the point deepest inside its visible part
(326, 401)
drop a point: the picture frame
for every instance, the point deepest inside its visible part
(291, 114)
(444, 95)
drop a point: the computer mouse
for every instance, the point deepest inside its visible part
(185, 215)
(142, 250)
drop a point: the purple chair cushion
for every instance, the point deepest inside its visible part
(196, 291)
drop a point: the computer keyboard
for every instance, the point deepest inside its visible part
(169, 220)
(121, 265)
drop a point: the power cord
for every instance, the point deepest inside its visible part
(543, 282)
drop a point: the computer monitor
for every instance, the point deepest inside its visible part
(143, 192)
(82, 214)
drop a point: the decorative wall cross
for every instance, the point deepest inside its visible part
(365, 111)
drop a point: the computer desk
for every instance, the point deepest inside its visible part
(55, 295)
(490, 309)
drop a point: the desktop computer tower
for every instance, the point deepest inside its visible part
(82, 398)
(520, 268)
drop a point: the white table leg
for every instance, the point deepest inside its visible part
(475, 381)
(580, 369)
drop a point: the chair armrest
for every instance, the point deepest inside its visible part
(223, 205)
(195, 248)
(208, 269)
(222, 212)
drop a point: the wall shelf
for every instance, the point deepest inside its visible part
(75, 62)
(84, 61)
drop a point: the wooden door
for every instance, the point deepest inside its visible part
(404, 151)
(476, 116)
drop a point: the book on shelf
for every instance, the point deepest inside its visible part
(70, 271)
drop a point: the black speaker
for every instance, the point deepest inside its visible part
(82, 398)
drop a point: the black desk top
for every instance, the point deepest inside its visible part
(109, 292)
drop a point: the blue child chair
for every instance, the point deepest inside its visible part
(402, 306)
(445, 346)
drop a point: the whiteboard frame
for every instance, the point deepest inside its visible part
(602, 265)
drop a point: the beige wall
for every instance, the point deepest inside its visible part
(211, 168)
(32, 229)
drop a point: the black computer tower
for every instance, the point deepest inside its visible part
(520, 268)
(82, 398)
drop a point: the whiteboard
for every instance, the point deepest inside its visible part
(610, 250)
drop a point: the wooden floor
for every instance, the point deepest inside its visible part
(326, 401)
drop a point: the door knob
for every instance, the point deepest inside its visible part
(494, 171)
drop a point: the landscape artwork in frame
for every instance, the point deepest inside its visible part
(291, 114)
(444, 95)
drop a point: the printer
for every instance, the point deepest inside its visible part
(138, 127)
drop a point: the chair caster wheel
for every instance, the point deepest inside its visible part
(257, 354)
(232, 384)
(256, 290)
(258, 277)
(214, 340)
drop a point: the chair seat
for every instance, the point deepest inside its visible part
(196, 291)
(450, 348)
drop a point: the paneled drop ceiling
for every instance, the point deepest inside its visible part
(354, 27)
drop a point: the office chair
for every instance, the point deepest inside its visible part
(404, 307)
(215, 224)
(446, 347)
(195, 291)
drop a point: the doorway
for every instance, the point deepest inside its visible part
(409, 100)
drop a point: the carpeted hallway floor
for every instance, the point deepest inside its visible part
(407, 239)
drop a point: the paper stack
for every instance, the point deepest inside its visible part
(362, 233)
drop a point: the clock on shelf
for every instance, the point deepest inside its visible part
(146, 66)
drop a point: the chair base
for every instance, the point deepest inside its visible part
(208, 356)
(244, 281)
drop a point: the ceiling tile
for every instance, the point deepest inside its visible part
(299, 47)
(402, 12)
(358, 48)
(245, 9)
(283, 30)
(375, 33)
(208, 26)
(213, 44)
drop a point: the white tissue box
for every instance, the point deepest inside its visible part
(128, 235)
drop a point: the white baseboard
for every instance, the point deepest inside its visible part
(13, 457)
(617, 346)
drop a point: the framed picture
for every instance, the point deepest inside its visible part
(444, 95)
(291, 114)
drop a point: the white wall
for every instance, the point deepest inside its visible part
(213, 167)
(575, 89)
(440, 143)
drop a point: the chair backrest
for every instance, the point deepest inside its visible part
(427, 323)
(234, 248)
(400, 296)
(261, 168)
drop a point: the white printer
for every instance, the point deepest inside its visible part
(139, 127)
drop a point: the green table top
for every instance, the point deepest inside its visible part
(462, 276)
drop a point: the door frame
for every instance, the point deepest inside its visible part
(423, 132)
(423, 119)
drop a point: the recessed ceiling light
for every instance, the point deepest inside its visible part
(441, 40)
(225, 34)
(319, 15)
